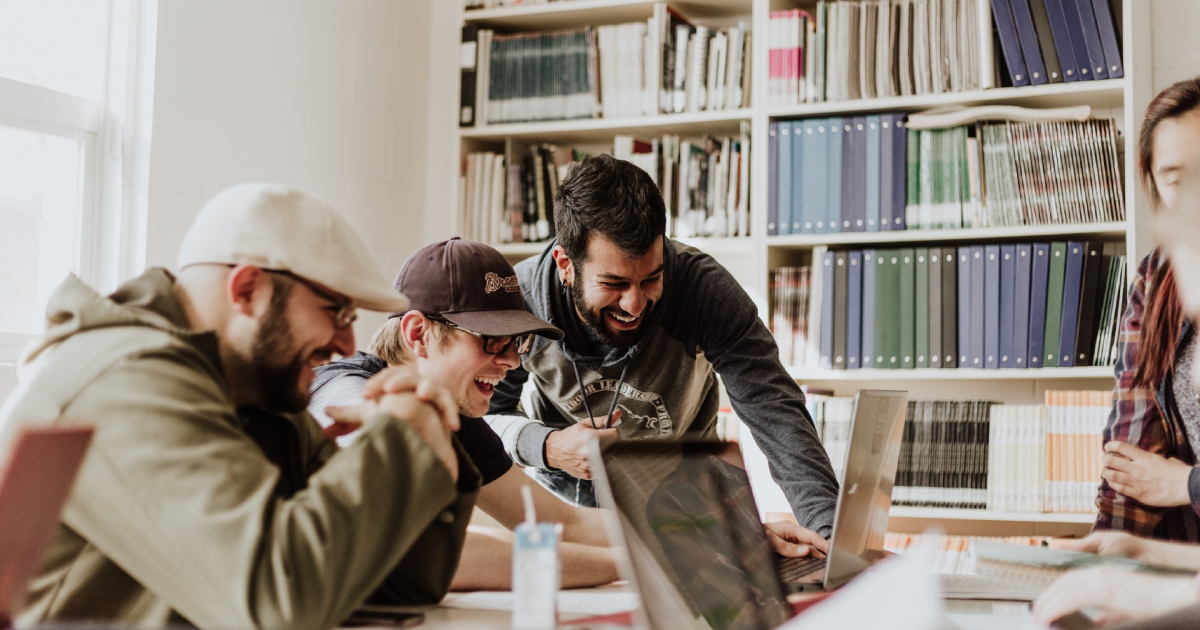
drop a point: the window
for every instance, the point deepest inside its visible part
(75, 88)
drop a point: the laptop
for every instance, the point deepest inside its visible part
(34, 485)
(697, 549)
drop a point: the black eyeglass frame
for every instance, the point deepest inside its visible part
(524, 342)
(347, 312)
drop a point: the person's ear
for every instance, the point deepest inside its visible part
(566, 271)
(248, 289)
(416, 332)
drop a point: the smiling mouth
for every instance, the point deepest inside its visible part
(486, 386)
(623, 322)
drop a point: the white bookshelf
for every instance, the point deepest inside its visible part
(751, 259)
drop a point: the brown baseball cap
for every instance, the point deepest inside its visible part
(469, 284)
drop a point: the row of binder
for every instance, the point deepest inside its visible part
(1012, 305)
(873, 173)
(1056, 41)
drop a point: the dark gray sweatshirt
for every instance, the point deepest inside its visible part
(704, 325)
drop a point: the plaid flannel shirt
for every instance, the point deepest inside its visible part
(1148, 419)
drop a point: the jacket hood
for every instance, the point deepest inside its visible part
(360, 364)
(147, 300)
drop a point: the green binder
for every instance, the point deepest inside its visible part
(887, 305)
(922, 308)
(908, 309)
(1054, 303)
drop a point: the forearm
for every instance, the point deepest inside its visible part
(1172, 554)
(487, 563)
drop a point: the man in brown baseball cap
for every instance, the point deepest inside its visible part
(465, 328)
(209, 497)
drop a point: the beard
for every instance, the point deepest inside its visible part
(594, 318)
(279, 383)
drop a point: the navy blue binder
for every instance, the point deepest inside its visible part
(772, 178)
(784, 202)
(1009, 43)
(1008, 274)
(1039, 279)
(840, 311)
(1027, 35)
(1109, 38)
(834, 201)
(964, 307)
(1083, 58)
(827, 312)
(874, 174)
(1020, 324)
(1063, 44)
(854, 304)
(949, 308)
(978, 312)
(867, 351)
(1091, 39)
(899, 170)
(991, 306)
(886, 172)
(802, 160)
(1072, 285)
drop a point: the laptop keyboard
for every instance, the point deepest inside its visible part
(791, 569)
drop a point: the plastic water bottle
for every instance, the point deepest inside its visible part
(535, 571)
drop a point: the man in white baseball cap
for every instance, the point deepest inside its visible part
(210, 496)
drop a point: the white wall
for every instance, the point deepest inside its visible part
(1176, 51)
(324, 94)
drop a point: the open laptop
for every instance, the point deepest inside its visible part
(697, 549)
(34, 485)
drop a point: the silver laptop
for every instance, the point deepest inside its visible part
(697, 549)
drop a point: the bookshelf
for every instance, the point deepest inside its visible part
(752, 258)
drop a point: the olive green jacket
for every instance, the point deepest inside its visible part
(179, 516)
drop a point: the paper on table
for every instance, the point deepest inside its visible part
(899, 593)
(589, 602)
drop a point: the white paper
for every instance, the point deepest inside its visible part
(898, 593)
(584, 602)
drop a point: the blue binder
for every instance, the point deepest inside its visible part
(833, 201)
(1039, 279)
(899, 170)
(1063, 44)
(1091, 40)
(801, 162)
(1027, 35)
(964, 307)
(978, 312)
(1072, 285)
(812, 180)
(1109, 38)
(886, 173)
(1083, 58)
(991, 306)
(854, 308)
(841, 317)
(874, 172)
(772, 178)
(859, 170)
(784, 202)
(1008, 272)
(851, 177)
(867, 351)
(1009, 43)
(827, 312)
(1020, 322)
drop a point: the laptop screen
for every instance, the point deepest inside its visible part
(689, 507)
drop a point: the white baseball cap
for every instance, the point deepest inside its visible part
(282, 228)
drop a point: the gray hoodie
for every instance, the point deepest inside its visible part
(704, 325)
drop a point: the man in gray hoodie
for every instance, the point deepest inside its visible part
(649, 325)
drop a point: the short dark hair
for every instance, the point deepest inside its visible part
(610, 197)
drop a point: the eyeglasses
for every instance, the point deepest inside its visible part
(346, 312)
(495, 345)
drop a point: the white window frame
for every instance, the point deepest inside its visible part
(115, 134)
